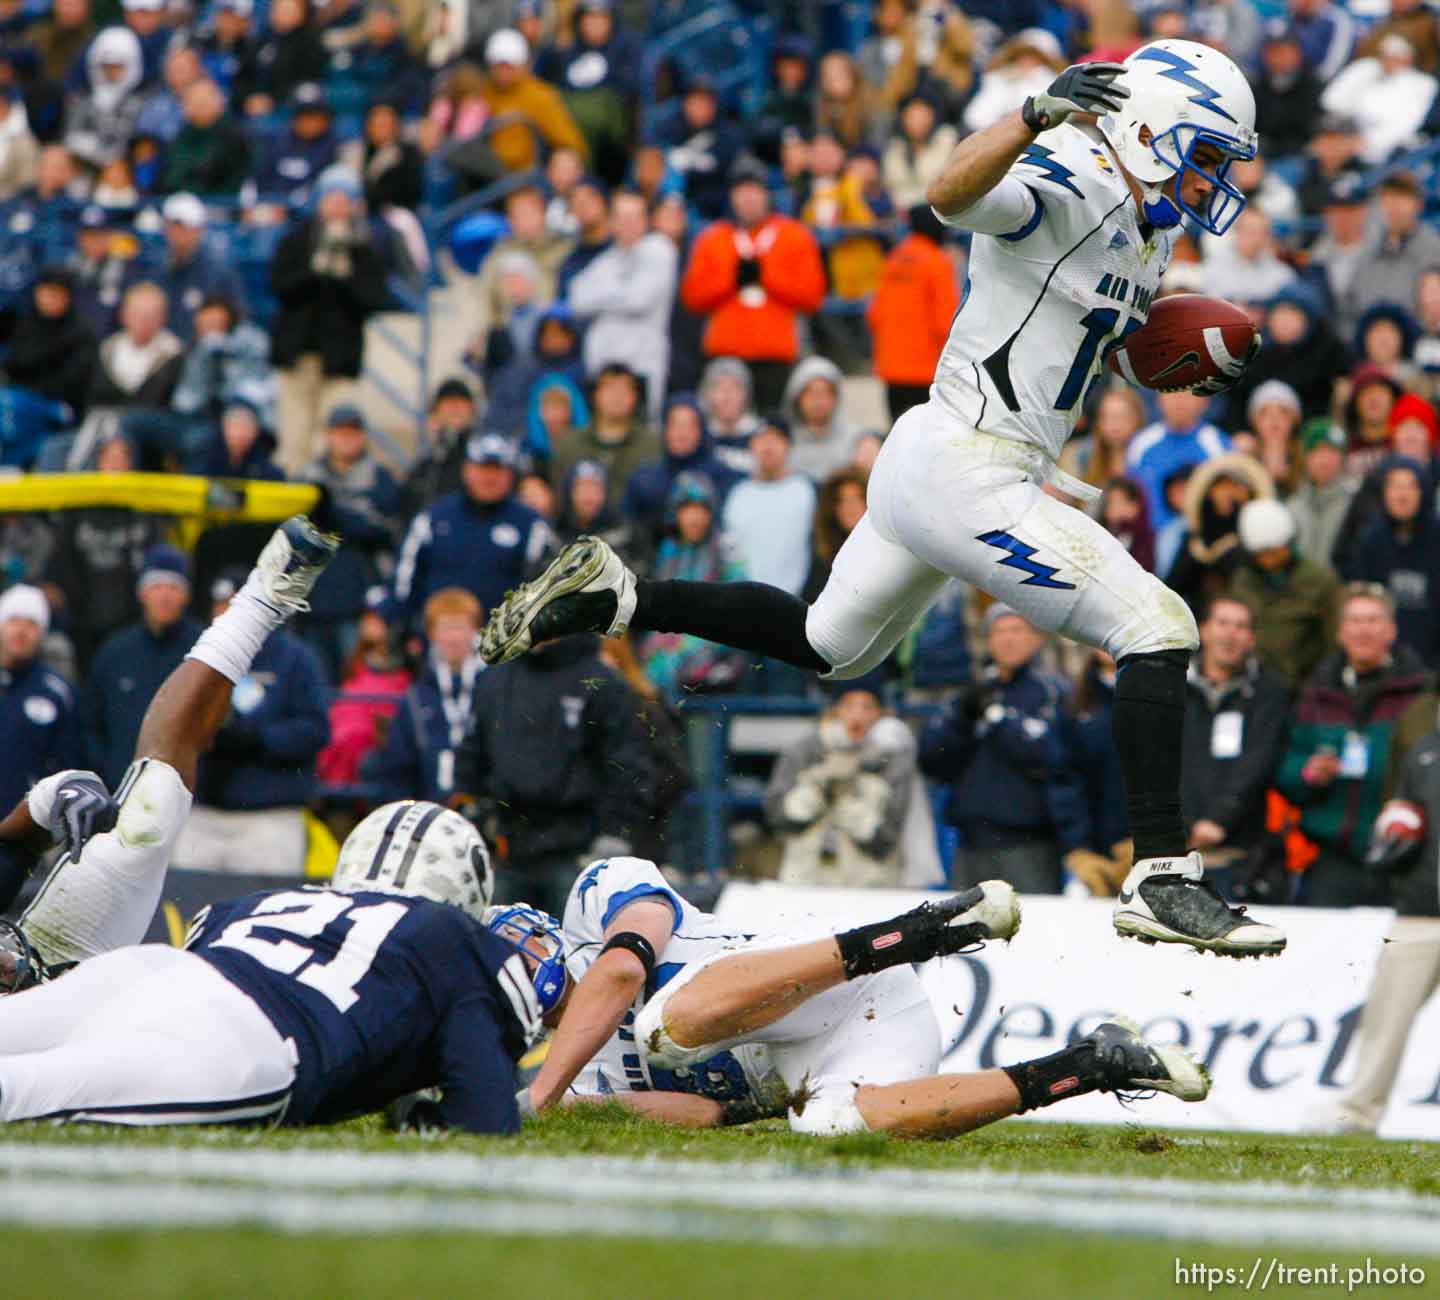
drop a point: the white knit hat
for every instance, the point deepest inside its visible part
(24, 601)
(1266, 524)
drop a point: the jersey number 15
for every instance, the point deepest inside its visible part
(1099, 323)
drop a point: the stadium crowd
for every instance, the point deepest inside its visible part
(691, 254)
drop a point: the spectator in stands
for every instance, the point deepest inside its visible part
(1181, 436)
(227, 47)
(839, 199)
(838, 798)
(162, 116)
(839, 506)
(1273, 431)
(191, 273)
(701, 146)
(436, 470)
(1102, 864)
(287, 55)
(19, 150)
(845, 104)
(1024, 65)
(512, 89)
(1210, 552)
(617, 436)
(100, 120)
(824, 440)
(98, 272)
(1098, 457)
(575, 790)
(590, 206)
(1400, 551)
(1385, 336)
(133, 662)
(558, 411)
(753, 277)
(911, 312)
(147, 20)
(928, 47)
(37, 710)
(1003, 749)
(599, 75)
(365, 507)
(295, 159)
(624, 297)
(417, 760)
(563, 172)
(1373, 394)
(1332, 156)
(1287, 94)
(1126, 516)
(1341, 249)
(1386, 94)
(1299, 348)
(789, 101)
(1339, 759)
(1291, 596)
(529, 234)
(586, 509)
(259, 773)
(770, 517)
(1245, 266)
(51, 351)
(512, 378)
(329, 278)
(696, 550)
(1415, 431)
(685, 449)
(1235, 723)
(60, 40)
(241, 448)
(381, 63)
(918, 152)
(1327, 35)
(726, 405)
(479, 538)
(1427, 315)
(140, 363)
(211, 155)
(98, 554)
(393, 167)
(1322, 499)
(1401, 249)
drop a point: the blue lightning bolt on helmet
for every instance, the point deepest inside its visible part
(537, 934)
(1183, 96)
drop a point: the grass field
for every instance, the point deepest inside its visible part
(602, 1204)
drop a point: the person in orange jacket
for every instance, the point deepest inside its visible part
(911, 311)
(752, 276)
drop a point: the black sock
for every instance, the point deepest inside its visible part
(1149, 729)
(747, 615)
(914, 936)
(1071, 1072)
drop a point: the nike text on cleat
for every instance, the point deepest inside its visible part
(587, 588)
(293, 558)
(1128, 1063)
(1168, 900)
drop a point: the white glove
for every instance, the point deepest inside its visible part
(803, 804)
(858, 819)
(1081, 88)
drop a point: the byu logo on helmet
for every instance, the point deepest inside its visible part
(1185, 99)
(421, 850)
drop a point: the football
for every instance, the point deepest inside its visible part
(1187, 339)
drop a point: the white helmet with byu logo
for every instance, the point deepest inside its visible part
(1182, 95)
(421, 850)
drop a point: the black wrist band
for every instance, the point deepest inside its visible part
(633, 943)
(1035, 121)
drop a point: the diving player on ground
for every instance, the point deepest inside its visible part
(1073, 227)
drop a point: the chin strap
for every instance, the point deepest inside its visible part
(1161, 211)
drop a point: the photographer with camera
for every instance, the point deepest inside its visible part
(1005, 748)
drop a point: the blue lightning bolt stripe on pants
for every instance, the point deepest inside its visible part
(946, 500)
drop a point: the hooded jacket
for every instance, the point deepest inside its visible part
(257, 463)
(584, 769)
(99, 124)
(1406, 561)
(510, 382)
(818, 454)
(609, 525)
(647, 492)
(537, 437)
(1310, 365)
(54, 356)
(1211, 550)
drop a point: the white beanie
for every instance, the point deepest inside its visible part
(24, 601)
(1266, 524)
(1273, 392)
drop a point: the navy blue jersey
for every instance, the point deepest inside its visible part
(382, 995)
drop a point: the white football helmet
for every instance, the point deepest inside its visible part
(1184, 95)
(421, 850)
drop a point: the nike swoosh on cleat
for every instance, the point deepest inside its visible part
(1126, 898)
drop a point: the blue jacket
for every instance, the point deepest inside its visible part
(456, 543)
(40, 726)
(188, 284)
(291, 165)
(941, 655)
(1007, 750)
(410, 764)
(1156, 451)
(264, 755)
(126, 672)
(1098, 762)
(647, 494)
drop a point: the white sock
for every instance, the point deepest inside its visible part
(229, 645)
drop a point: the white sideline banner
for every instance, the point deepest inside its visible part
(1278, 1034)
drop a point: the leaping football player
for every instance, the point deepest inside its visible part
(1073, 225)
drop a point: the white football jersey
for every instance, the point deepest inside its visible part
(602, 890)
(1059, 272)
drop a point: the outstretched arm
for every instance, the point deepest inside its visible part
(978, 164)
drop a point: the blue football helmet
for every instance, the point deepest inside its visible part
(528, 929)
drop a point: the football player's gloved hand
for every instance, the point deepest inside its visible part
(1232, 374)
(83, 807)
(1081, 88)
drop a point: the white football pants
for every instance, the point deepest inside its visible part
(879, 1029)
(947, 501)
(142, 1035)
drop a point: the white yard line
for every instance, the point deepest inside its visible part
(302, 1189)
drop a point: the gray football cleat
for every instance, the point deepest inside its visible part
(1168, 900)
(1128, 1063)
